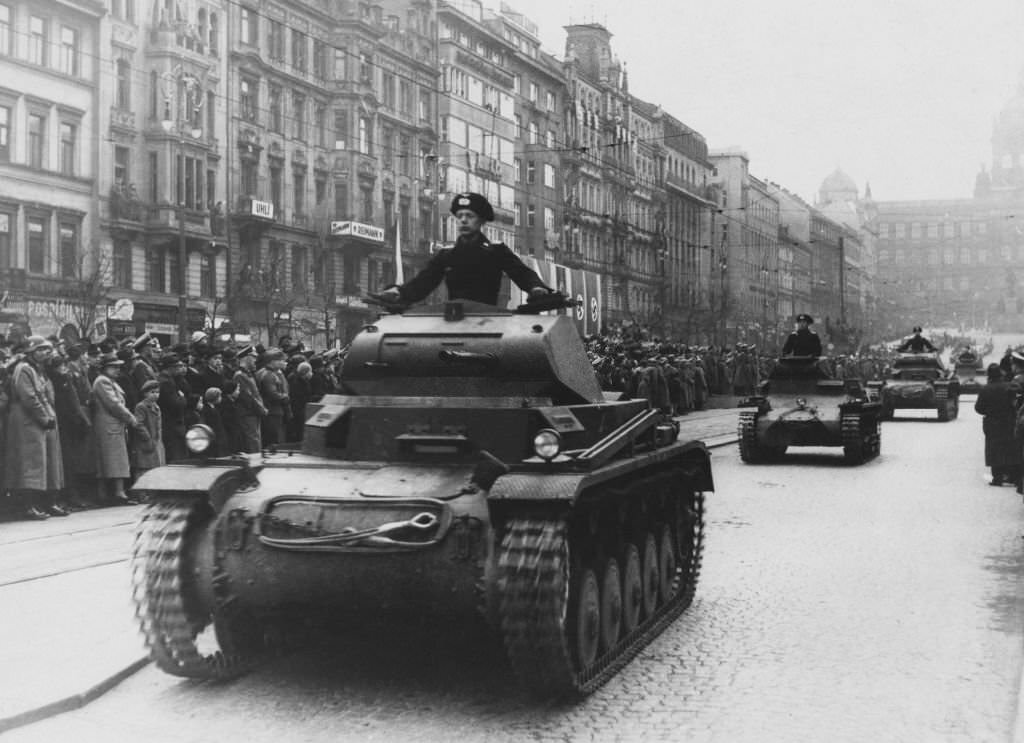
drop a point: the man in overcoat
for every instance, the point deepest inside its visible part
(249, 404)
(996, 404)
(111, 419)
(34, 470)
(274, 391)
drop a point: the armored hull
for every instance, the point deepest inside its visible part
(474, 471)
(800, 406)
(919, 382)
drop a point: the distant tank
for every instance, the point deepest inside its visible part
(969, 370)
(472, 469)
(800, 405)
(918, 381)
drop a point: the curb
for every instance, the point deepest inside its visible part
(73, 702)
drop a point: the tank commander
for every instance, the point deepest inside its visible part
(916, 343)
(803, 341)
(471, 269)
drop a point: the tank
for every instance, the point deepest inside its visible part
(472, 471)
(969, 371)
(918, 381)
(800, 405)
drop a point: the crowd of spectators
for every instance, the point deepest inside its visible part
(79, 423)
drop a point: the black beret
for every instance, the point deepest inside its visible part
(916, 329)
(804, 317)
(475, 202)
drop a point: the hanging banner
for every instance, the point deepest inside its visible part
(583, 286)
(595, 302)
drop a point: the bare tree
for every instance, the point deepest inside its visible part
(85, 291)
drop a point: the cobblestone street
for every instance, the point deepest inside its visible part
(876, 603)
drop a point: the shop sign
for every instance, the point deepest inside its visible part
(262, 209)
(357, 229)
(163, 328)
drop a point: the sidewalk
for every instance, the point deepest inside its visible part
(71, 636)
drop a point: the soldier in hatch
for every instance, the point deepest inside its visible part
(471, 269)
(803, 341)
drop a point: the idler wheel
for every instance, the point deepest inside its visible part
(632, 589)
(611, 605)
(649, 576)
(588, 619)
(667, 584)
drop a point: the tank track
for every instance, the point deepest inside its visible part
(168, 616)
(536, 572)
(859, 447)
(750, 451)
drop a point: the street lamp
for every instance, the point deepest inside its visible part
(190, 95)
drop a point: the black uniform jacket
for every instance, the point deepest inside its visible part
(471, 270)
(916, 344)
(802, 342)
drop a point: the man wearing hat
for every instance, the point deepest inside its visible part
(916, 343)
(471, 269)
(110, 420)
(803, 341)
(34, 472)
(173, 402)
(274, 390)
(249, 403)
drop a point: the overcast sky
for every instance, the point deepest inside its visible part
(901, 94)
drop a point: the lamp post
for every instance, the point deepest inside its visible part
(189, 99)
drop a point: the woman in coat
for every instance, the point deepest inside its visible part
(1002, 451)
(34, 471)
(110, 418)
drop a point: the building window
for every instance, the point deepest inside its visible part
(248, 178)
(208, 275)
(248, 100)
(68, 134)
(69, 51)
(121, 164)
(531, 215)
(124, 85)
(531, 172)
(68, 250)
(319, 59)
(364, 135)
(5, 29)
(367, 210)
(122, 264)
(321, 190)
(534, 133)
(37, 40)
(37, 248)
(340, 198)
(320, 123)
(387, 89)
(299, 191)
(533, 92)
(214, 34)
(36, 139)
(550, 96)
(155, 273)
(517, 217)
(275, 40)
(405, 155)
(549, 175)
(5, 134)
(517, 167)
(154, 177)
(250, 26)
(299, 116)
(275, 188)
(549, 218)
(300, 58)
(274, 100)
(6, 219)
(299, 278)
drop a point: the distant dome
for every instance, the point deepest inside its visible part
(837, 187)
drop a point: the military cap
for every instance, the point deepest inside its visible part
(150, 384)
(804, 317)
(1018, 357)
(475, 202)
(245, 351)
(272, 354)
(142, 341)
(916, 329)
(37, 342)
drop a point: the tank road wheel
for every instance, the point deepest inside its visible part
(611, 605)
(587, 618)
(167, 607)
(690, 547)
(750, 451)
(667, 579)
(649, 576)
(632, 589)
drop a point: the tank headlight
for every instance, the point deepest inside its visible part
(198, 438)
(547, 443)
(801, 403)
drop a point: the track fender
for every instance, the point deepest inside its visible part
(537, 487)
(214, 481)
